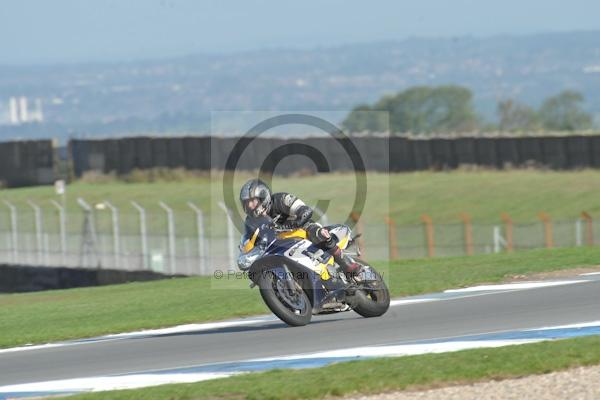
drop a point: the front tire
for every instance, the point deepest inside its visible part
(294, 309)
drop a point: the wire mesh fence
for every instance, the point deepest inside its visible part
(104, 237)
(414, 241)
(188, 243)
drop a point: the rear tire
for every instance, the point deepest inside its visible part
(270, 295)
(374, 300)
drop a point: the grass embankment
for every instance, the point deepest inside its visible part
(443, 195)
(76, 313)
(383, 374)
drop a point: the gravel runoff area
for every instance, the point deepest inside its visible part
(578, 383)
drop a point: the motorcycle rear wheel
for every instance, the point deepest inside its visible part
(373, 300)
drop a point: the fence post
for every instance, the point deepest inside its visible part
(508, 230)
(116, 234)
(359, 231)
(89, 234)
(497, 239)
(89, 240)
(63, 231)
(14, 230)
(201, 242)
(393, 244)
(547, 229)
(143, 233)
(171, 232)
(589, 228)
(468, 232)
(429, 234)
(230, 238)
(38, 231)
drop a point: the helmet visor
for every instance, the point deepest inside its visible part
(251, 205)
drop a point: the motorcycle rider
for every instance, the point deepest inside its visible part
(288, 211)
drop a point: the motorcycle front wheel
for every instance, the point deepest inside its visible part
(292, 306)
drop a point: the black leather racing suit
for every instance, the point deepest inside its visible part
(288, 211)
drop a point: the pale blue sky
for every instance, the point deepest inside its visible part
(58, 31)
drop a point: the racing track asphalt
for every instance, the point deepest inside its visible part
(467, 314)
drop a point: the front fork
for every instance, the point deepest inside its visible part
(289, 280)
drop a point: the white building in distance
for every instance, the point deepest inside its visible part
(20, 113)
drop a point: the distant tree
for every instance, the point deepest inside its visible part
(364, 118)
(514, 116)
(563, 112)
(421, 109)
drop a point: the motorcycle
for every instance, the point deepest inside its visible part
(298, 279)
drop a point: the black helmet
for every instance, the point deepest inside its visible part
(255, 188)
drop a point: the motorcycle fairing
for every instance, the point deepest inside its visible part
(277, 259)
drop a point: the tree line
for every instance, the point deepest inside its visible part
(425, 109)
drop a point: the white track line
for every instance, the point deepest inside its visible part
(401, 302)
(32, 347)
(404, 349)
(578, 325)
(153, 332)
(102, 383)
(513, 286)
(194, 327)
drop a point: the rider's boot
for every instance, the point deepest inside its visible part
(349, 266)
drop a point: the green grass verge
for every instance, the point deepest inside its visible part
(412, 277)
(66, 314)
(383, 374)
(443, 195)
